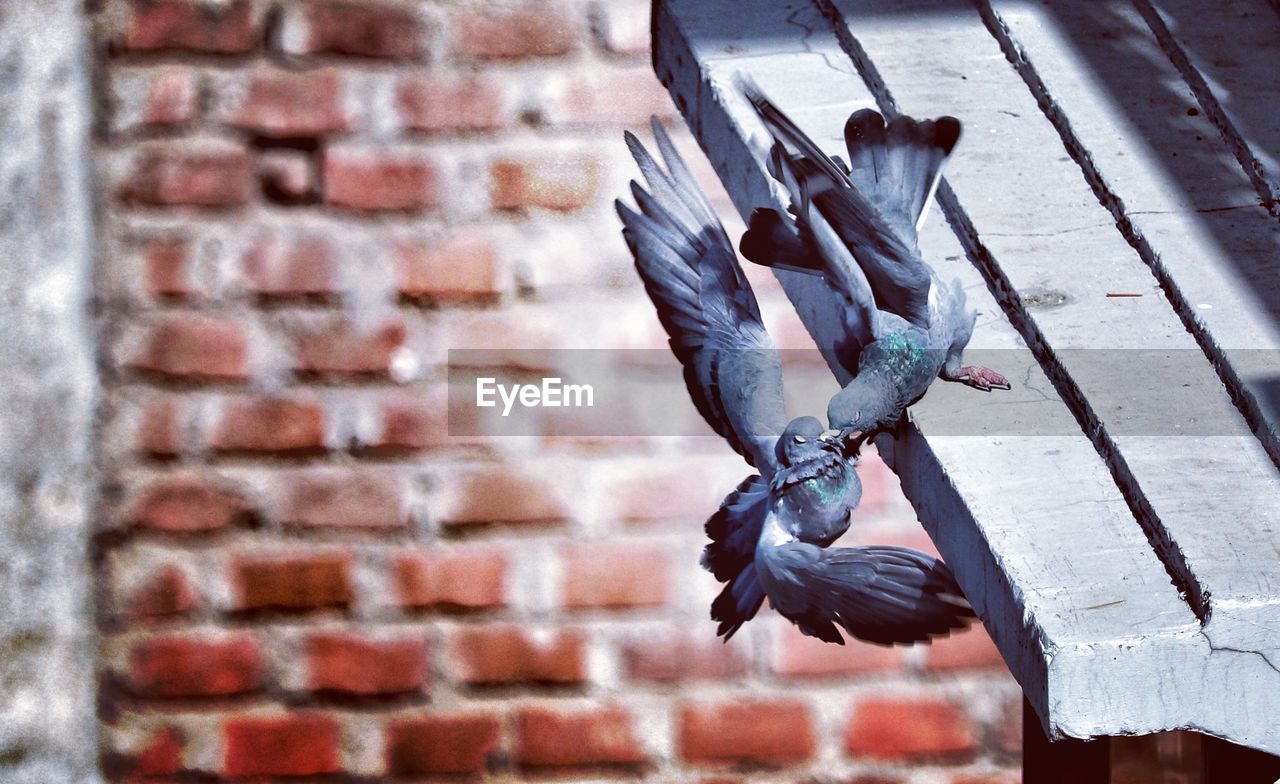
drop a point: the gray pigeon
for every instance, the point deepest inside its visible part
(856, 225)
(770, 536)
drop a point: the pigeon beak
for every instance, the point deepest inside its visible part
(829, 435)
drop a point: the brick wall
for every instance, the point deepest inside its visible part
(304, 204)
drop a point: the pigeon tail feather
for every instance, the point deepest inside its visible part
(774, 241)
(735, 528)
(737, 603)
(866, 212)
(897, 165)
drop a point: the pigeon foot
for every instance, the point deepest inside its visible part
(982, 378)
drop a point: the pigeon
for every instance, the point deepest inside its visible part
(771, 536)
(856, 225)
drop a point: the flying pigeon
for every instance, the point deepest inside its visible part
(770, 537)
(856, 226)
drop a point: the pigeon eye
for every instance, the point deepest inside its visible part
(800, 439)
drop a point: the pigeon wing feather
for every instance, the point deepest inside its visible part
(705, 304)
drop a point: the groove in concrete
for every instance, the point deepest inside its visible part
(1241, 396)
(1210, 104)
(1166, 549)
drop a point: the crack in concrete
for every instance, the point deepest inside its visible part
(1058, 233)
(809, 32)
(1197, 211)
(1214, 648)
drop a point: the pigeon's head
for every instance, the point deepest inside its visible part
(860, 410)
(801, 441)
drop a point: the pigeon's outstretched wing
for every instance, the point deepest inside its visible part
(873, 204)
(880, 594)
(706, 305)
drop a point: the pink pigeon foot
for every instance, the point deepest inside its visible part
(982, 378)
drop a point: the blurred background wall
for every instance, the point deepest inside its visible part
(47, 397)
(302, 205)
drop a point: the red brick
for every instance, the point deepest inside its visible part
(173, 98)
(493, 655)
(458, 580)
(166, 592)
(354, 665)
(436, 104)
(412, 424)
(548, 738)
(565, 182)
(280, 268)
(461, 267)
(296, 582)
(190, 25)
(287, 177)
(878, 482)
(1013, 777)
(528, 30)
(612, 97)
(206, 174)
(363, 29)
(196, 348)
(290, 104)
(271, 426)
(966, 650)
(1008, 728)
(162, 756)
(890, 729)
(771, 733)
(677, 658)
(190, 666)
(422, 418)
(166, 269)
(685, 495)
(798, 656)
(340, 498)
(428, 420)
(298, 744)
(187, 504)
(368, 180)
(441, 744)
(509, 342)
(502, 495)
(342, 350)
(159, 432)
(624, 574)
